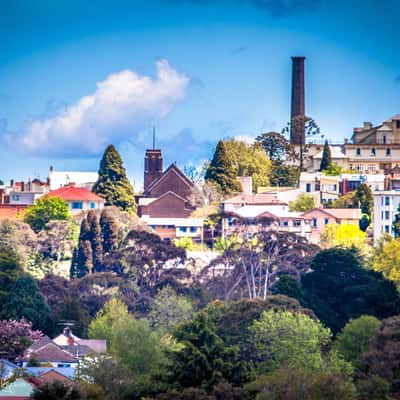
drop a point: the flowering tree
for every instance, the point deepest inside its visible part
(16, 337)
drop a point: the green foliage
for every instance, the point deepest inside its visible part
(221, 171)
(250, 160)
(382, 359)
(298, 384)
(184, 243)
(56, 390)
(333, 169)
(355, 338)
(169, 310)
(203, 360)
(94, 237)
(326, 160)
(303, 202)
(25, 301)
(109, 231)
(364, 223)
(337, 279)
(113, 184)
(386, 259)
(373, 387)
(46, 209)
(365, 199)
(344, 235)
(114, 312)
(349, 200)
(294, 340)
(288, 286)
(10, 271)
(396, 223)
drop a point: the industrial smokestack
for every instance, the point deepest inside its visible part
(297, 129)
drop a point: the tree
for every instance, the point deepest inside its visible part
(382, 359)
(250, 267)
(16, 337)
(113, 312)
(221, 170)
(349, 200)
(202, 359)
(45, 209)
(94, 237)
(344, 235)
(169, 310)
(387, 260)
(280, 152)
(288, 286)
(296, 384)
(365, 199)
(25, 301)
(84, 259)
(113, 184)
(250, 160)
(339, 288)
(294, 340)
(326, 159)
(56, 390)
(355, 338)
(109, 231)
(10, 271)
(303, 202)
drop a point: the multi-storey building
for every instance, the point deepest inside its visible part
(386, 204)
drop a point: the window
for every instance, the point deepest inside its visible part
(76, 205)
(384, 139)
(387, 200)
(358, 151)
(398, 124)
(92, 204)
(326, 221)
(314, 222)
(171, 226)
(388, 152)
(182, 229)
(15, 197)
(317, 187)
(296, 222)
(387, 228)
(373, 152)
(193, 229)
(153, 227)
(285, 223)
(308, 187)
(382, 214)
(63, 365)
(387, 215)
(350, 166)
(372, 168)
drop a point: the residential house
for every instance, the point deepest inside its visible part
(67, 340)
(320, 217)
(36, 372)
(386, 204)
(59, 179)
(241, 200)
(176, 228)
(11, 211)
(55, 375)
(78, 199)
(20, 389)
(7, 369)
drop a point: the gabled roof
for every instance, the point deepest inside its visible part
(55, 375)
(394, 118)
(51, 353)
(254, 199)
(173, 168)
(39, 343)
(338, 213)
(39, 371)
(72, 193)
(169, 193)
(97, 345)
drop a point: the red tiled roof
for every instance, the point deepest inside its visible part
(11, 211)
(72, 193)
(51, 353)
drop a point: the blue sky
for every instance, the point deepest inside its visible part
(75, 75)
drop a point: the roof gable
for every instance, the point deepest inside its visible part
(18, 388)
(52, 353)
(172, 169)
(72, 193)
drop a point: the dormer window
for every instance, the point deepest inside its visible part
(373, 152)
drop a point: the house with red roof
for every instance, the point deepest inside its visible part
(78, 198)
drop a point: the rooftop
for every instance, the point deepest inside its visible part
(73, 193)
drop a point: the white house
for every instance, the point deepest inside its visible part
(58, 179)
(386, 204)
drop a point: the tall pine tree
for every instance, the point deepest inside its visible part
(326, 157)
(221, 170)
(109, 231)
(113, 183)
(94, 238)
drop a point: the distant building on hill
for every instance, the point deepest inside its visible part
(58, 179)
(386, 204)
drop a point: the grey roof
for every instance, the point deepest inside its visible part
(39, 343)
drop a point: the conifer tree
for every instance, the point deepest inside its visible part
(326, 157)
(84, 259)
(113, 184)
(94, 238)
(109, 231)
(221, 170)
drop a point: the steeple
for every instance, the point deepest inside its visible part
(153, 164)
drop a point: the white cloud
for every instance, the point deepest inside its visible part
(122, 105)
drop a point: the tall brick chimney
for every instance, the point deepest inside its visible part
(153, 167)
(297, 130)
